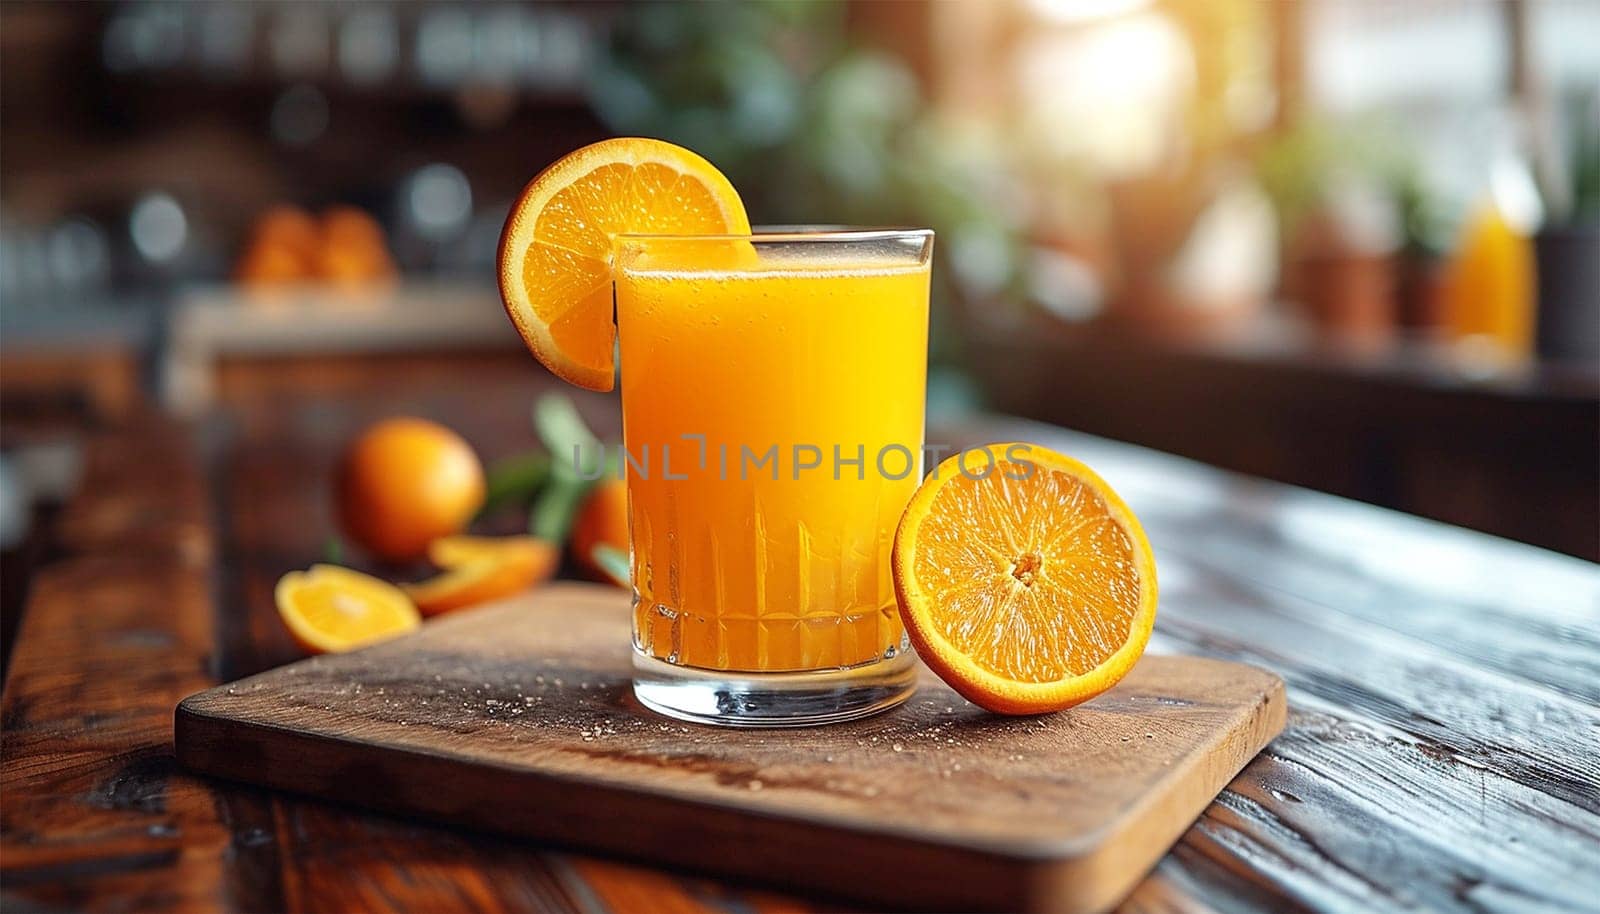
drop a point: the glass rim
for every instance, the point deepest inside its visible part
(789, 234)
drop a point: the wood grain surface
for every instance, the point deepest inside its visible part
(1439, 753)
(117, 629)
(519, 718)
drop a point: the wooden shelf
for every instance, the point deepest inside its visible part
(213, 323)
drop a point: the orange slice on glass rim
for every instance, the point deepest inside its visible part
(556, 247)
(1028, 590)
(330, 609)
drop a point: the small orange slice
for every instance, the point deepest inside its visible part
(1028, 590)
(498, 571)
(330, 609)
(556, 247)
(455, 551)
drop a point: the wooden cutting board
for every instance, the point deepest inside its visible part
(519, 718)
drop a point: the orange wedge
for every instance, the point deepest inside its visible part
(330, 609)
(1028, 590)
(455, 551)
(556, 247)
(498, 570)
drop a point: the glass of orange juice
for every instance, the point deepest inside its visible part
(772, 398)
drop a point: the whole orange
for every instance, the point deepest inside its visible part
(404, 483)
(353, 248)
(602, 519)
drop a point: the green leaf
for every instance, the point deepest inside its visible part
(612, 561)
(564, 433)
(556, 508)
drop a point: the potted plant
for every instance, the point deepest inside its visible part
(1339, 229)
(1567, 249)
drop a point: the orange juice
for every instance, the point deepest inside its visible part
(772, 400)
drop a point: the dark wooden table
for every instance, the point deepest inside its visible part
(1441, 752)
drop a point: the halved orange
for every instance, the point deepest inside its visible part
(498, 571)
(330, 609)
(1028, 590)
(556, 247)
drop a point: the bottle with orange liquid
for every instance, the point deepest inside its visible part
(1491, 286)
(1490, 290)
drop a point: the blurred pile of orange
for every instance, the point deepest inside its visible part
(346, 246)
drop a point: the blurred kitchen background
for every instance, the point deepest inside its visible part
(1349, 245)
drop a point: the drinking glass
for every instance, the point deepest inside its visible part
(772, 399)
